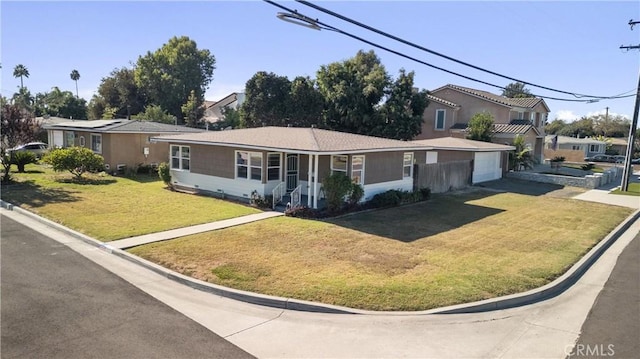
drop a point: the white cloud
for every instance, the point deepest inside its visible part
(611, 114)
(566, 115)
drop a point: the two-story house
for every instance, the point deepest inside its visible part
(451, 107)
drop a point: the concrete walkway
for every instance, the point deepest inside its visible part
(181, 232)
(603, 194)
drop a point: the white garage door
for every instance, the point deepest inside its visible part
(486, 167)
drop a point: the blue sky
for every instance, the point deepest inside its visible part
(568, 45)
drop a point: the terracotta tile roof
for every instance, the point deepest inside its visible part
(527, 102)
(442, 101)
(294, 139)
(462, 144)
(501, 128)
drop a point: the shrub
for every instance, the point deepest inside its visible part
(390, 198)
(145, 169)
(23, 158)
(76, 160)
(164, 172)
(261, 202)
(425, 192)
(336, 187)
(558, 159)
(587, 166)
(303, 212)
(357, 192)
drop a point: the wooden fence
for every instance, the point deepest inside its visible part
(443, 177)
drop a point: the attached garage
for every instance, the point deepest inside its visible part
(486, 167)
(489, 159)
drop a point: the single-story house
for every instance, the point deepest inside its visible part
(123, 143)
(619, 145)
(272, 160)
(588, 147)
(490, 160)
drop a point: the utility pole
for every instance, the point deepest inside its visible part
(606, 114)
(626, 171)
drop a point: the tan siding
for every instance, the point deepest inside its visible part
(450, 156)
(303, 168)
(128, 149)
(429, 121)
(383, 167)
(213, 160)
(324, 167)
(470, 105)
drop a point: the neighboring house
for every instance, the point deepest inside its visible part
(451, 108)
(618, 145)
(213, 109)
(122, 143)
(490, 160)
(586, 147)
(268, 160)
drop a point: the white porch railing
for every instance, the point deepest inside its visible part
(296, 197)
(278, 193)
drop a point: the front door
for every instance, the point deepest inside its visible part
(292, 172)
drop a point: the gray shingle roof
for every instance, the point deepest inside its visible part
(500, 128)
(309, 140)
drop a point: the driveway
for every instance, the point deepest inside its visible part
(532, 188)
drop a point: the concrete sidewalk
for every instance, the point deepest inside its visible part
(181, 232)
(603, 195)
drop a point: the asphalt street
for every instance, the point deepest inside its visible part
(58, 304)
(612, 328)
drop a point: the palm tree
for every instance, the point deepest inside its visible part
(20, 71)
(75, 76)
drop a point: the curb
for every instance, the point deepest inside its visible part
(547, 291)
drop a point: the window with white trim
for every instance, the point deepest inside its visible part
(180, 157)
(575, 147)
(407, 165)
(357, 169)
(69, 139)
(339, 164)
(96, 143)
(249, 165)
(594, 148)
(440, 119)
(273, 166)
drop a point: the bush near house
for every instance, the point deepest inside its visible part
(22, 158)
(76, 160)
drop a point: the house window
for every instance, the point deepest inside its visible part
(357, 169)
(520, 115)
(96, 143)
(69, 138)
(339, 164)
(249, 165)
(432, 157)
(594, 148)
(575, 147)
(407, 165)
(532, 118)
(273, 167)
(81, 141)
(180, 156)
(440, 119)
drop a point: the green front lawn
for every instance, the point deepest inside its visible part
(451, 249)
(632, 190)
(109, 208)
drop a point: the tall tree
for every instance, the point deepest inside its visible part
(266, 101)
(155, 113)
(555, 126)
(611, 125)
(75, 76)
(402, 111)
(480, 127)
(516, 90)
(193, 111)
(305, 103)
(23, 99)
(168, 75)
(20, 71)
(120, 92)
(65, 104)
(580, 128)
(352, 89)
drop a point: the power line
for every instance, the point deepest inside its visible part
(385, 34)
(297, 18)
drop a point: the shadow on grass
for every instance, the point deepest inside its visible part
(87, 181)
(30, 194)
(416, 221)
(528, 188)
(143, 178)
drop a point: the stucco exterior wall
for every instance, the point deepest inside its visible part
(470, 105)
(428, 129)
